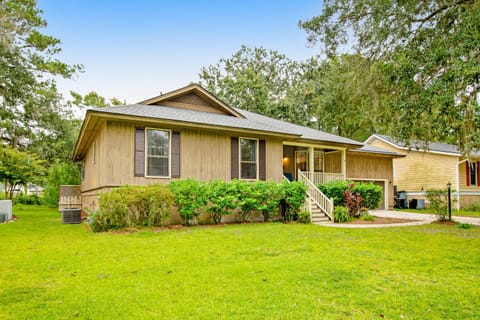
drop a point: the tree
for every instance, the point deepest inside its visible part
(30, 103)
(18, 168)
(430, 51)
(257, 80)
(60, 173)
(93, 99)
(348, 98)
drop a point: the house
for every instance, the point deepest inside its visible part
(189, 133)
(421, 170)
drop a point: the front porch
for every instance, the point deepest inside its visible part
(315, 164)
(320, 164)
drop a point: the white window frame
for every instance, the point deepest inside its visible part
(169, 152)
(240, 158)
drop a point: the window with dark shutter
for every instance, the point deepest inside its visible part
(139, 161)
(234, 158)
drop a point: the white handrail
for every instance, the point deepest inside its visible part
(322, 177)
(317, 196)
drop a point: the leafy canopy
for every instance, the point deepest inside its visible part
(430, 50)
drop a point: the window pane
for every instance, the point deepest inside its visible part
(157, 167)
(249, 170)
(158, 153)
(158, 143)
(248, 150)
(473, 174)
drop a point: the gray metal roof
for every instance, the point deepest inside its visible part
(252, 121)
(416, 145)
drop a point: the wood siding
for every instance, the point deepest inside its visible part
(203, 156)
(333, 162)
(372, 168)
(421, 171)
(192, 102)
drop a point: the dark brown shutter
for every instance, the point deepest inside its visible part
(139, 163)
(467, 169)
(175, 155)
(234, 153)
(262, 174)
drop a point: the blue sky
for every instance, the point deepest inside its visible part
(133, 50)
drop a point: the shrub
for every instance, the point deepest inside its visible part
(190, 198)
(294, 194)
(341, 214)
(335, 190)
(247, 198)
(268, 196)
(439, 202)
(464, 225)
(222, 199)
(370, 192)
(304, 217)
(475, 206)
(367, 217)
(353, 201)
(131, 206)
(31, 199)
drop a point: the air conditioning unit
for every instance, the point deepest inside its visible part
(5, 210)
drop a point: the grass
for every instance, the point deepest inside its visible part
(252, 271)
(461, 213)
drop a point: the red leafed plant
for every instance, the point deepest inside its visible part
(353, 202)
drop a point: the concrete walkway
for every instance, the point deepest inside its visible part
(422, 219)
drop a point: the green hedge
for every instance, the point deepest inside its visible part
(151, 205)
(371, 193)
(133, 206)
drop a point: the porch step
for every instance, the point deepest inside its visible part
(320, 218)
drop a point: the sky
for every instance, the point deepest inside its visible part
(134, 50)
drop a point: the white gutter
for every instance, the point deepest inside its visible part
(458, 182)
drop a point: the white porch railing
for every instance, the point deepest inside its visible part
(320, 177)
(316, 196)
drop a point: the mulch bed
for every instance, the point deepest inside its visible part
(381, 220)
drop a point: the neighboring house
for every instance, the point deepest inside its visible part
(189, 133)
(421, 170)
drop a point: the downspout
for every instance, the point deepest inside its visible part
(458, 183)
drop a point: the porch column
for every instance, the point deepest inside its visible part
(344, 163)
(311, 160)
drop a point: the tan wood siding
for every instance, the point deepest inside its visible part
(371, 168)
(192, 102)
(203, 156)
(421, 171)
(93, 177)
(333, 162)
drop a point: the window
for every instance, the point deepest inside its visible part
(473, 173)
(158, 153)
(248, 158)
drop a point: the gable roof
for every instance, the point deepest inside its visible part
(372, 149)
(228, 120)
(198, 91)
(433, 147)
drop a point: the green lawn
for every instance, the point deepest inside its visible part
(254, 271)
(461, 213)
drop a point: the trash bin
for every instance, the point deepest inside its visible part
(402, 196)
(5, 210)
(412, 204)
(420, 204)
(72, 216)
